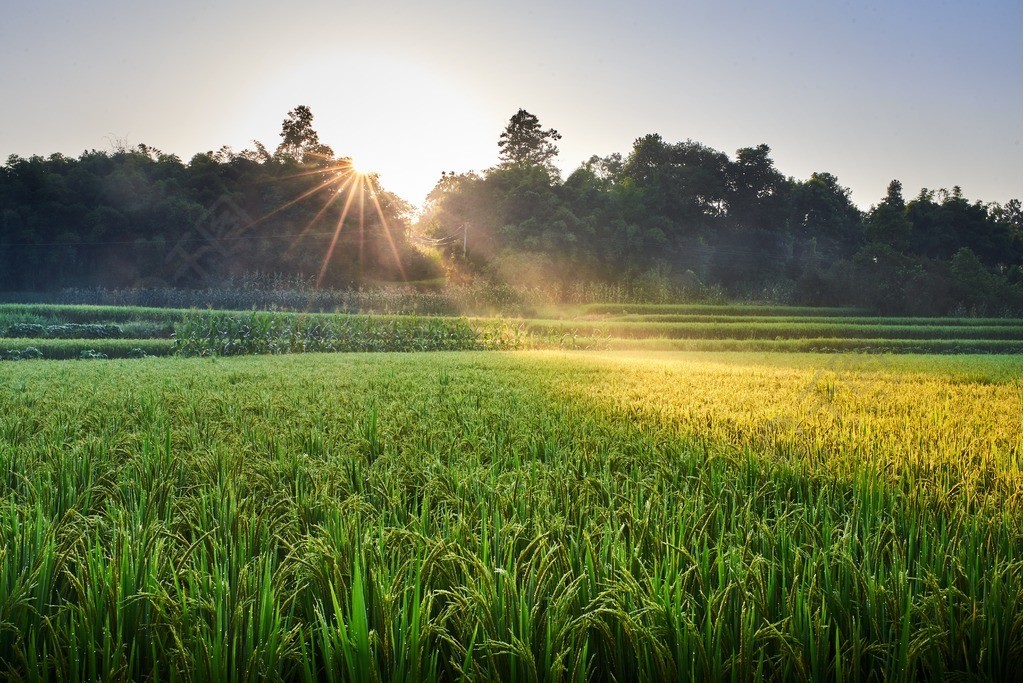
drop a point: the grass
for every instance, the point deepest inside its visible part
(522, 516)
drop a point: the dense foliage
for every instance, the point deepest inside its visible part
(696, 220)
(140, 217)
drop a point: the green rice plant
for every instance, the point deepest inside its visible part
(539, 515)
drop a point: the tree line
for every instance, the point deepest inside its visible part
(693, 217)
(680, 215)
(139, 217)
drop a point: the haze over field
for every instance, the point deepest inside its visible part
(929, 94)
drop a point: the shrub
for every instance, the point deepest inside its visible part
(25, 331)
(28, 353)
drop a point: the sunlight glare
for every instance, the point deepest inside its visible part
(357, 168)
(375, 114)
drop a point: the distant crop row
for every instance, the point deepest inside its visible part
(808, 320)
(62, 349)
(232, 334)
(64, 331)
(760, 330)
(716, 309)
(89, 314)
(811, 345)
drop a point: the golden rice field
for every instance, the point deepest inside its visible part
(532, 515)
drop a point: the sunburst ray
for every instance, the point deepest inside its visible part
(334, 239)
(387, 233)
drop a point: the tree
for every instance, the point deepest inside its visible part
(887, 223)
(820, 209)
(685, 182)
(973, 285)
(298, 139)
(756, 190)
(605, 168)
(1009, 221)
(1011, 215)
(525, 143)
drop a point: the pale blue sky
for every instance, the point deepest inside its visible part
(926, 92)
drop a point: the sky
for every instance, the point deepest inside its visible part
(929, 93)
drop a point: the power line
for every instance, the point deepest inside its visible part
(450, 238)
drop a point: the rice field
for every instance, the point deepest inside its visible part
(530, 515)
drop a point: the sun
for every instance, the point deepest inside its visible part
(357, 168)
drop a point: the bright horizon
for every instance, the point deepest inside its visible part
(925, 94)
